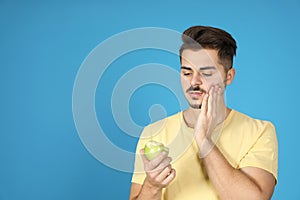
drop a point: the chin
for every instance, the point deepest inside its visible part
(195, 103)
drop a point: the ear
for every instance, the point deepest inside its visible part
(230, 76)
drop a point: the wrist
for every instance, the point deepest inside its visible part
(153, 189)
(205, 147)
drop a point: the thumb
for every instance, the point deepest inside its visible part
(142, 153)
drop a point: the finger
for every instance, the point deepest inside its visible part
(164, 173)
(219, 100)
(215, 100)
(160, 168)
(202, 113)
(145, 160)
(170, 177)
(220, 91)
(162, 165)
(158, 160)
(148, 166)
(210, 100)
(204, 104)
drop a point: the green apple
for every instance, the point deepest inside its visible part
(153, 148)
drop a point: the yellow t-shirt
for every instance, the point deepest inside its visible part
(242, 140)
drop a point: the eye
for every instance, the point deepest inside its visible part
(206, 74)
(187, 73)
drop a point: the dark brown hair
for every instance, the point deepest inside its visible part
(197, 37)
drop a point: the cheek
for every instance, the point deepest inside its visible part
(213, 81)
(184, 82)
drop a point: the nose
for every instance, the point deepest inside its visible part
(196, 79)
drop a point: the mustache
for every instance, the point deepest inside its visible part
(197, 88)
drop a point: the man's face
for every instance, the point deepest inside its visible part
(200, 70)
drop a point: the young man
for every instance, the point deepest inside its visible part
(215, 152)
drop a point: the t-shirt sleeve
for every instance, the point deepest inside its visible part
(139, 174)
(264, 153)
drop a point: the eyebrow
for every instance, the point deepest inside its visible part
(187, 68)
(201, 68)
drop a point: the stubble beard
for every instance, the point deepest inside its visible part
(195, 106)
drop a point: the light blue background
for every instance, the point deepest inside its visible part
(42, 45)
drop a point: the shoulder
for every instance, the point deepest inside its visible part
(250, 124)
(169, 121)
(249, 120)
(163, 125)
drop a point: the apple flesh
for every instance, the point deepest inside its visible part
(153, 148)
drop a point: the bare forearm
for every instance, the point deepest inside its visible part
(230, 183)
(149, 192)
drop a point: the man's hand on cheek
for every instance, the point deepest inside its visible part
(213, 112)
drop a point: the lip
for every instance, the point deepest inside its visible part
(195, 95)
